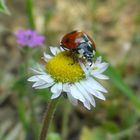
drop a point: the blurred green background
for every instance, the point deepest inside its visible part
(115, 27)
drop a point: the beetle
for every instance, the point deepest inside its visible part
(80, 44)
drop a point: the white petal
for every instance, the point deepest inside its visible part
(76, 94)
(66, 87)
(87, 105)
(44, 86)
(98, 94)
(103, 67)
(84, 68)
(98, 60)
(56, 90)
(47, 57)
(101, 76)
(97, 69)
(55, 95)
(94, 92)
(88, 90)
(40, 79)
(39, 83)
(55, 50)
(33, 79)
(85, 93)
(37, 71)
(72, 99)
(40, 67)
(46, 78)
(95, 85)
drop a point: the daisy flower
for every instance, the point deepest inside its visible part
(75, 79)
(29, 38)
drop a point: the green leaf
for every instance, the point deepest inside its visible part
(3, 7)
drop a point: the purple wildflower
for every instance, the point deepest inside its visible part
(29, 38)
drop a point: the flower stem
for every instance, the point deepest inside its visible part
(47, 118)
(29, 5)
(65, 120)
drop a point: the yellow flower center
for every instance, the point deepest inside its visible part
(63, 68)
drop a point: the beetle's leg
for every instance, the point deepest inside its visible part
(63, 47)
